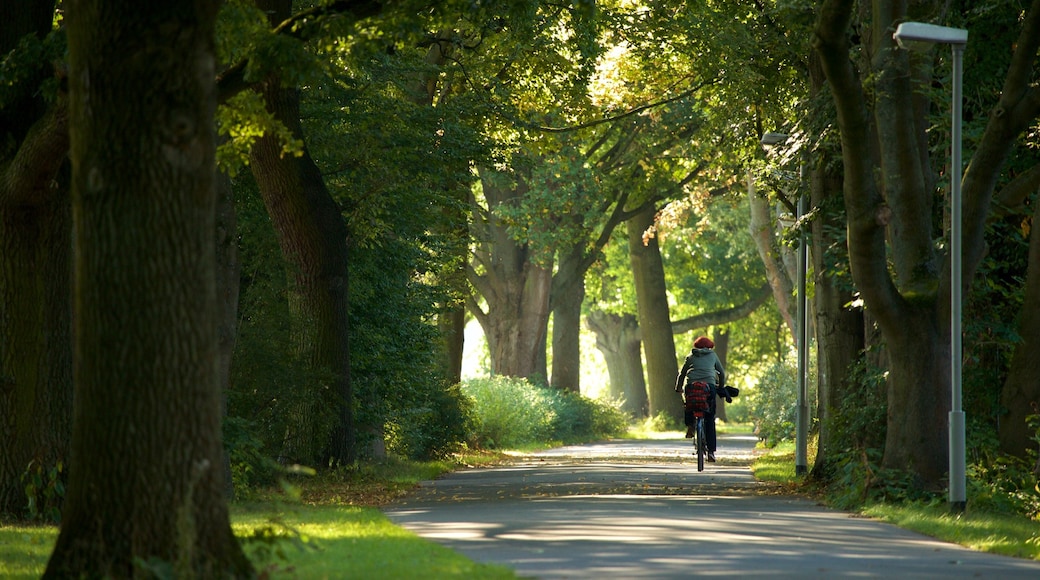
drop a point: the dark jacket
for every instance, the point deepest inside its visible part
(702, 364)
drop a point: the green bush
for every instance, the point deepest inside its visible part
(511, 412)
(773, 404)
(435, 426)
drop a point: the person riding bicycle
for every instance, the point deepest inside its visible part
(702, 365)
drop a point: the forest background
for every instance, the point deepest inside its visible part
(561, 174)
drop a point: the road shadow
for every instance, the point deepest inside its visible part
(640, 509)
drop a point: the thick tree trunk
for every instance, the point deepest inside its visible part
(514, 285)
(840, 338)
(917, 425)
(145, 477)
(839, 327)
(1021, 392)
(313, 239)
(515, 324)
(654, 323)
(35, 291)
(617, 337)
(36, 350)
(568, 293)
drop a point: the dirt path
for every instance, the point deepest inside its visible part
(640, 509)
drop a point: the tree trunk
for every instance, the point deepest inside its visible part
(568, 293)
(654, 323)
(839, 327)
(617, 337)
(916, 432)
(722, 349)
(762, 233)
(36, 350)
(145, 479)
(1021, 392)
(228, 285)
(35, 283)
(313, 239)
(515, 286)
(451, 320)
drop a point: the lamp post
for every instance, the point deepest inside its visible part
(801, 463)
(906, 35)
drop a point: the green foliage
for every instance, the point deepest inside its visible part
(510, 412)
(25, 70)
(664, 422)
(243, 120)
(269, 542)
(434, 423)
(44, 491)
(251, 463)
(858, 423)
(772, 404)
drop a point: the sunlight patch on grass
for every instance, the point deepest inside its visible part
(348, 542)
(998, 533)
(25, 549)
(776, 465)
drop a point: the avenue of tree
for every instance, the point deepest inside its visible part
(278, 216)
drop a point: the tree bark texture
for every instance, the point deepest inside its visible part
(839, 326)
(514, 285)
(762, 233)
(35, 283)
(313, 237)
(655, 326)
(919, 375)
(36, 348)
(568, 293)
(145, 478)
(617, 338)
(1021, 392)
(916, 435)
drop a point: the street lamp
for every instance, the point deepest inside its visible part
(907, 34)
(801, 463)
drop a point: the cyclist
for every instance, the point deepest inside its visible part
(702, 365)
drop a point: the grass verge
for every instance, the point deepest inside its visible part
(999, 533)
(327, 527)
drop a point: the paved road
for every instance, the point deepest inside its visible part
(640, 509)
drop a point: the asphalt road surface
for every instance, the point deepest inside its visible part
(640, 509)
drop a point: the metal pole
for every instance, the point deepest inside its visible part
(802, 422)
(958, 493)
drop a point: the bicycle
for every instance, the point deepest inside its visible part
(698, 397)
(700, 441)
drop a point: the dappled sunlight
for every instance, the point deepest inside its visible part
(631, 509)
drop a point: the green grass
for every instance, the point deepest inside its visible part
(777, 465)
(346, 542)
(24, 550)
(1006, 534)
(333, 531)
(293, 541)
(988, 532)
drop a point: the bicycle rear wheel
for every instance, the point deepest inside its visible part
(701, 442)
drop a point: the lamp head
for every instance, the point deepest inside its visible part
(770, 140)
(910, 35)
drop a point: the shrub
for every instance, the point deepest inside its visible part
(773, 404)
(511, 412)
(435, 426)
